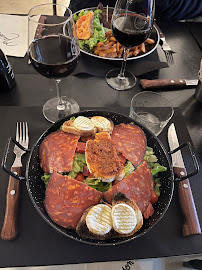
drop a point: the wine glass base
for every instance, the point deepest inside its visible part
(120, 84)
(52, 114)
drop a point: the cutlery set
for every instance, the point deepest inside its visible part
(9, 229)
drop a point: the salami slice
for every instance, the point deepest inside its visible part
(138, 186)
(57, 151)
(130, 140)
(66, 199)
(149, 211)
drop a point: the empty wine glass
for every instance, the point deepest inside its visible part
(132, 24)
(54, 52)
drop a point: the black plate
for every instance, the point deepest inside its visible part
(36, 188)
(150, 48)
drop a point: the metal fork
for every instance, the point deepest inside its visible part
(9, 229)
(167, 50)
(23, 139)
(165, 46)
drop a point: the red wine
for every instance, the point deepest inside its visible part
(54, 56)
(131, 29)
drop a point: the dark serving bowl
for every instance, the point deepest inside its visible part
(36, 187)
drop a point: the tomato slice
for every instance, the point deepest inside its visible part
(80, 148)
(122, 159)
(87, 138)
(79, 177)
(154, 198)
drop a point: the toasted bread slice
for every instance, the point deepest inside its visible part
(103, 124)
(81, 126)
(84, 25)
(102, 159)
(123, 224)
(95, 222)
(91, 223)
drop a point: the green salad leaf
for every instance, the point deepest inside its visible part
(155, 168)
(128, 168)
(97, 184)
(45, 178)
(157, 184)
(78, 163)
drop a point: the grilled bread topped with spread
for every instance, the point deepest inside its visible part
(102, 158)
(84, 126)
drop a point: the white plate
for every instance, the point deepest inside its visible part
(154, 35)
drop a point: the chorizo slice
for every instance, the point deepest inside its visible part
(138, 186)
(57, 151)
(66, 199)
(149, 211)
(130, 140)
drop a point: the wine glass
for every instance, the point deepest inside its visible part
(54, 52)
(132, 23)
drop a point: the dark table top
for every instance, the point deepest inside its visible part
(33, 90)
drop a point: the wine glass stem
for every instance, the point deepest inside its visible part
(61, 105)
(123, 65)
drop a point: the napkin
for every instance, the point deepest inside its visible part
(13, 35)
(92, 66)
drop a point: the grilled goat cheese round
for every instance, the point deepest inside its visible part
(102, 123)
(98, 219)
(83, 123)
(124, 218)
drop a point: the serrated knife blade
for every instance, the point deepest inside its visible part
(191, 222)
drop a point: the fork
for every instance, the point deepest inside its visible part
(165, 46)
(9, 229)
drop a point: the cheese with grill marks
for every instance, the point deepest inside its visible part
(124, 218)
(98, 219)
(83, 123)
(102, 123)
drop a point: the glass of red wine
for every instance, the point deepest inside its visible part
(132, 23)
(54, 53)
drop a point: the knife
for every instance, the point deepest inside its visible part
(166, 83)
(191, 222)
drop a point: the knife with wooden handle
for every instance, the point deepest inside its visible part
(166, 83)
(9, 229)
(191, 223)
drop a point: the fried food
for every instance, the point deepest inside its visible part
(111, 48)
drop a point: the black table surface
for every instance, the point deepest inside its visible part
(39, 244)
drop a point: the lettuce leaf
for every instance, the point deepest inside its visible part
(128, 168)
(78, 164)
(155, 168)
(97, 184)
(45, 178)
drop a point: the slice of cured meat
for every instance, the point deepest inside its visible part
(57, 151)
(138, 186)
(149, 211)
(130, 140)
(66, 199)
